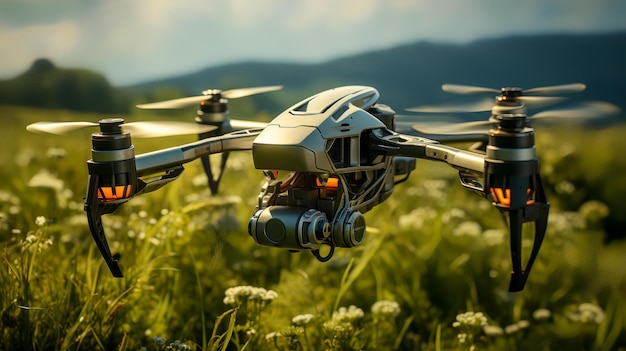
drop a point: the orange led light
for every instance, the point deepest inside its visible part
(332, 184)
(108, 193)
(503, 196)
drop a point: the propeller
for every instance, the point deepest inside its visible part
(554, 89)
(143, 129)
(213, 111)
(589, 110)
(508, 98)
(208, 95)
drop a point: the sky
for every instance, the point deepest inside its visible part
(131, 41)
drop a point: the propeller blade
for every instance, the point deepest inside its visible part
(555, 89)
(466, 89)
(137, 129)
(194, 100)
(558, 89)
(175, 103)
(593, 109)
(437, 118)
(540, 101)
(240, 124)
(488, 105)
(476, 127)
(158, 129)
(242, 92)
(484, 105)
(59, 128)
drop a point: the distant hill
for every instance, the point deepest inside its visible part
(412, 74)
(45, 85)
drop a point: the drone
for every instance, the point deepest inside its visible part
(341, 156)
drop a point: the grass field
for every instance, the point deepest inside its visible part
(432, 273)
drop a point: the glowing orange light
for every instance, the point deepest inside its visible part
(503, 196)
(108, 193)
(332, 184)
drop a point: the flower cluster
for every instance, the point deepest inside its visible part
(34, 239)
(302, 319)
(515, 327)
(56, 153)
(542, 314)
(176, 345)
(468, 228)
(494, 237)
(237, 295)
(349, 315)
(342, 323)
(470, 325)
(492, 330)
(585, 313)
(415, 219)
(470, 319)
(593, 211)
(386, 308)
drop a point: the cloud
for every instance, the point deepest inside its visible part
(21, 45)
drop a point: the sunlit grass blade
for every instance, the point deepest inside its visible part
(351, 275)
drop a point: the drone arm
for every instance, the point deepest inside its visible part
(393, 144)
(460, 159)
(175, 157)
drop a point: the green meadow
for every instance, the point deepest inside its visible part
(432, 273)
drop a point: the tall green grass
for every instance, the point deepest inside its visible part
(432, 274)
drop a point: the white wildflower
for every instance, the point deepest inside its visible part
(468, 228)
(199, 181)
(510, 329)
(585, 313)
(542, 314)
(302, 319)
(416, 218)
(494, 237)
(9, 198)
(29, 240)
(40, 221)
(593, 211)
(452, 214)
(272, 335)
(565, 221)
(386, 308)
(45, 179)
(55, 152)
(515, 327)
(565, 187)
(462, 337)
(470, 319)
(239, 294)
(492, 330)
(350, 314)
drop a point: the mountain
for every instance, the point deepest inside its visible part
(406, 76)
(45, 85)
(412, 74)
